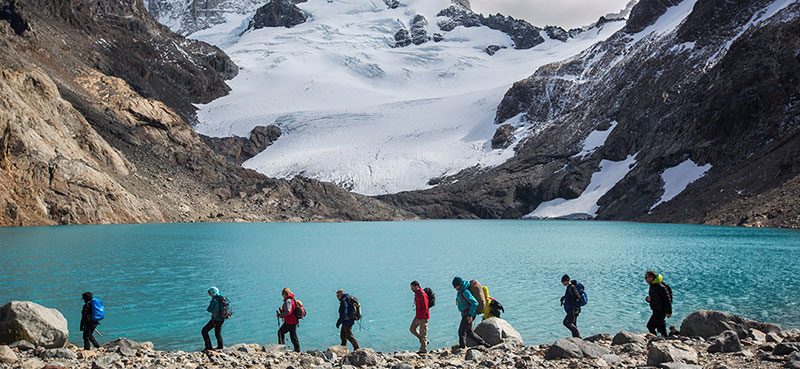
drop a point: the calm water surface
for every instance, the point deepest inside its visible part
(153, 278)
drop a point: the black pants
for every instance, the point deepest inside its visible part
(88, 335)
(464, 331)
(216, 325)
(346, 334)
(571, 322)
(292, 329)
(658, 323)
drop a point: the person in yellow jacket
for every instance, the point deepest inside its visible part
(486, 312)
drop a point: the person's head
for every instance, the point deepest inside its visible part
(672, 329)
(457, 283)
(87, 296)
(213, 291)
(415, 286)
(565, 280)
(339, 294)
(650, 276)
(286, 292)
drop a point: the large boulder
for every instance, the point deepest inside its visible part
(25, 320)
(568, 348)
(496, 331)
(709, 323)
(624, 337)
(361, 357)
(665, 352)
(786, 348)
(727, 341)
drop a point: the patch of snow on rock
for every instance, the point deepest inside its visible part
(678, 177)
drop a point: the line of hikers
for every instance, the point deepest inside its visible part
(471, 298)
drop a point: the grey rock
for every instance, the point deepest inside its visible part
(22, 345)
(274, 348)
(361, 357)
(392, 4)
(7, 356)
(786, 348)
(556, 33)
(493, 49)
(106, 361)
(59, 353)
(340, 351)
(567, 348)
(709, 323)
(402, 38)
(758, 336)
(28, 321)
(126, 347)
(402, 365)
(524, 35)
(496, 331)
(438, 37)
(474, 355)
(663, 352)
(773, 337)
(419, 35)
(277, 13)
(599, 337)
(679, 366)
(611, 359)
(624, 337)
(727, 341)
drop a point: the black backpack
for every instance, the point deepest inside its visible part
(431, 296)
(495, 307)
(354, 313)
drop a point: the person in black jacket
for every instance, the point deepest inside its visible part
(87, 324)
(570, 301)
(660, 299)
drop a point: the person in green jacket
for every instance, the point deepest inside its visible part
(468, 306)
(216, 319)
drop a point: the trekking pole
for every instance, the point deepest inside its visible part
(98, 333)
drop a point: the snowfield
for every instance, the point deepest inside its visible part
(356, 111)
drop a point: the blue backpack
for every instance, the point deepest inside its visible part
(98, 311)
(584, 300)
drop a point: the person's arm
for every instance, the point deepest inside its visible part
(212, 307)
(342, 312)
(83, 317)
(286, 309)
(473, 304)
(574, 295)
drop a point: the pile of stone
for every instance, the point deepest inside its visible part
(708, 339)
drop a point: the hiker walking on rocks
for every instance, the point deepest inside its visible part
(660, 299)
(571, 302)
(219, 307)
(468, 306)
(349, 312)
(91, 314)
(421, 318)
(287, 313)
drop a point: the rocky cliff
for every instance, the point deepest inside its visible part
(687, 84)
(95, 101)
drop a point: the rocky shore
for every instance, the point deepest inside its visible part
(708, 339)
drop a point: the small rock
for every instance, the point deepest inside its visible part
(7, 356)
(758, 336)
(664, 352)
(727, 341)
(106, 361)
(612, 359)
(473, 355)
(22, 345)
(566, 348)
(624, 337)
(599, 337)
(679, 366)
(361, 357)
(33, 364)
(60, 353)
(339, 351)
(402, 365)
(274, 348)
(773, 337)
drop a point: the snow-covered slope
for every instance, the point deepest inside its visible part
(356, 111)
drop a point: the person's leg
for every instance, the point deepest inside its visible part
(413, 327)
(282, 334)
(293, 337)
(205, 330)
(218, 333)
(350, 337)
(570, 323)
(423, 336)
(88, 329)
(661, 324)
(92, 327)
(343, 335)
(462, 332)
(471, 334)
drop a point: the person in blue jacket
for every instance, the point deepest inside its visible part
(345, 304)
(468, 306)
(571, 302)
(216, 320)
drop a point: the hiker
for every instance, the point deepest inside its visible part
(571, 302)
(660, 299)
(468, 307)
(287, 313)
(421, 318)
(347, 317)
(215, 308)
(91, 314)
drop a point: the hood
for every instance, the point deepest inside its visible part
(464, 285)
(659, 279)
(486, 292)
(214, 291)
(290, 296)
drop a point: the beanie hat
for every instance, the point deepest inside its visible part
(565, 278)
(457, 281)
(213, 291)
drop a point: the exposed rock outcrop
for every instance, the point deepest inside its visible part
(524, 35)
(496, 331)
(28, 321)
(709, 323)
(239, 149)
(277, 13)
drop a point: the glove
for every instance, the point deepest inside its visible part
(562, 300)
(338, 325)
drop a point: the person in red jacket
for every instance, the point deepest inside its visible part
(421, 318)
(290, 321)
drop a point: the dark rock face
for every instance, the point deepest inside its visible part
(493, 49)
(392, 4)
(557, 33)
(419, 35)
(737, 114)
(239, 149)
(9, 14)
(708, 323)
(402, 38)
(646, 12)
(438, 37)
(277, 13)
(502, 137)
(524, 35)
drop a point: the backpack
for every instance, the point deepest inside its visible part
(476, 289)
(431, 296)
(582, 292)
(299, 310)
(354, 313)
(495, 307)
(98, 310)
(225, 309)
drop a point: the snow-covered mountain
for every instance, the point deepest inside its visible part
(357, 110)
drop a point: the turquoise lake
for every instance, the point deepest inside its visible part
(153, 278)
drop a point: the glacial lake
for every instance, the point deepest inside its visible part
(153, 278)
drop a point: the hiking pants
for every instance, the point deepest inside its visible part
(571, 322)
(422, 335)
(464, 331)
(658, 323)
(217, 326)
(292, 329)
(346, 334)
(88, 335)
